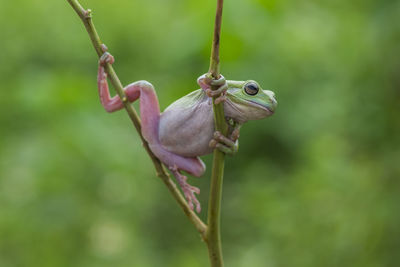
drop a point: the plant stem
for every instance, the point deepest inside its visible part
(214, 204)
(86, 18)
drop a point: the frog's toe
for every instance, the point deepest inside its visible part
(224, 144)
(220, 99)
(189, 191)
(219, 93)
(218, 82)
(106, 58)
(191, 198)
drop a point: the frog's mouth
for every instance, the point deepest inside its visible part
(266, 108)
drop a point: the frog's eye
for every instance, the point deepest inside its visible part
(251, 88)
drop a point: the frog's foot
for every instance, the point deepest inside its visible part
(220, 92)
(102, 74)
(188, 190)
(106, 57)
(224, 144)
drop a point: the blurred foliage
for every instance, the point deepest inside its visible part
(317, 184)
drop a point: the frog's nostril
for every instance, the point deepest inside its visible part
(273, 100)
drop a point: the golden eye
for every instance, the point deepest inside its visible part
(251, 88)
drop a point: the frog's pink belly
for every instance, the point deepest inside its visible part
(187, 131)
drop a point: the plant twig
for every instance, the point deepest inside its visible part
(86, 18)
(214, 205)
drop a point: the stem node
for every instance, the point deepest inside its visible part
(88, 14)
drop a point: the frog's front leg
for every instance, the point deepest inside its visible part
(205, 82)
(224, 144)
(150, 117)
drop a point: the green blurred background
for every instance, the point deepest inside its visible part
(317, 184)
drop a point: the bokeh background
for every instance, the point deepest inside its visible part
(317, 184)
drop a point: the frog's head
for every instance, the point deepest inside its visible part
(248, 101)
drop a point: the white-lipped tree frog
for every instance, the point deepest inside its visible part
(185, 130)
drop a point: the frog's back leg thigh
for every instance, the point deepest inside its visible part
(149, 108)
(191, 165)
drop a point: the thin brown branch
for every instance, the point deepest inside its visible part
(86, 18)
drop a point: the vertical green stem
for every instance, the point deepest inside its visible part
(213, 236)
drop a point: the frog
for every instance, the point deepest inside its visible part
(185, 130)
